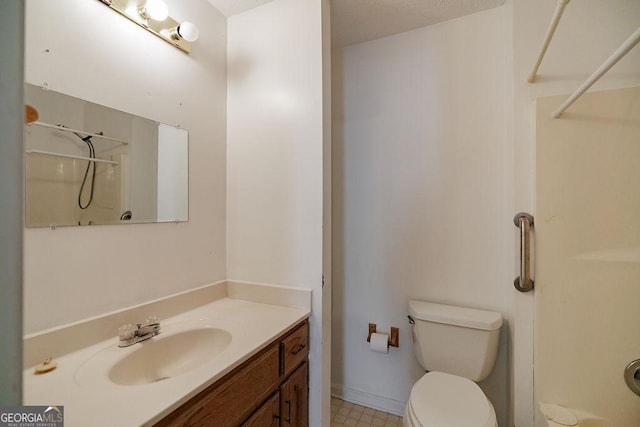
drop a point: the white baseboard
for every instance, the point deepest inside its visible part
(367, 399)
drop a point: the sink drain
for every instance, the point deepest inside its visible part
(161, 379)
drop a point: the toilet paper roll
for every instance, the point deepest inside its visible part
(379, 342)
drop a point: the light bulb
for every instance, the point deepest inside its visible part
(188, 31)
(155, 9)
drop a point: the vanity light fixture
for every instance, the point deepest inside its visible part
(187, 31)
(153, 16)
(154, 9)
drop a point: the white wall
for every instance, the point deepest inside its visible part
(422, 201)
(84, 49)
(275, 158)
(589, 32)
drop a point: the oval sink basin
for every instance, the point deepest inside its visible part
(161, 358)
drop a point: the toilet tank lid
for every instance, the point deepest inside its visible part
(453, 315)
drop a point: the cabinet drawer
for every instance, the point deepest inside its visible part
(295, 348)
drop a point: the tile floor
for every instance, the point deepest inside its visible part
(345, 414)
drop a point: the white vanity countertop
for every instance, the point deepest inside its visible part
(253, 325)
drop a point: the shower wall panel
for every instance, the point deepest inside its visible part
(588, 254)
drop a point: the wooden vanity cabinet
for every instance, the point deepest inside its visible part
(269, 390)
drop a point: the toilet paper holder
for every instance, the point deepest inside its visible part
(394, 336)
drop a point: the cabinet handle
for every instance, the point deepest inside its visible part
(298, 349)
(288, 419)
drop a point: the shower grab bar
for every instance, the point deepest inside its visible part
(524, 282)
(616, 56)
(66, 129)
(70, 156)
(547, 38)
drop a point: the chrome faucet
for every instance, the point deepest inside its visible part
(129, 334)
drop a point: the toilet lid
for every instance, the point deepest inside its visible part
(440, 399)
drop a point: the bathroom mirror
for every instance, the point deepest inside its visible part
(87, 164)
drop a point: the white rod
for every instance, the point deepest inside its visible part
(70, 156)
(66, 129)
(606, 66)
(547, 39)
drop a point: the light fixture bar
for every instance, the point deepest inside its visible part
(166, 29)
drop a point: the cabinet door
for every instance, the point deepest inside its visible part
(294, 399)
(268, 415)
(229, 403)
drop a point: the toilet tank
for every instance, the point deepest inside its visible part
(456, 340)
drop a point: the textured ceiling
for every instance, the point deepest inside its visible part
(357, 21)
(232, 7)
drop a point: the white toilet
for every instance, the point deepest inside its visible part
(458, 347)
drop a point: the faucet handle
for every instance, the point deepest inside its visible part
(151, 320)
(126, 332)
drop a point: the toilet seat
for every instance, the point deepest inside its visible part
(445, 400)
